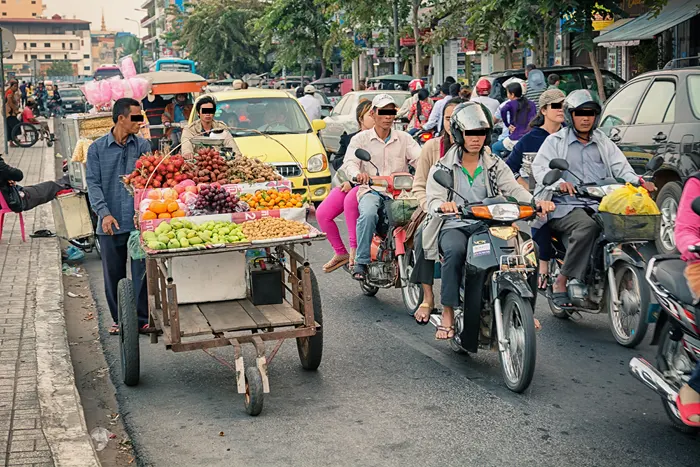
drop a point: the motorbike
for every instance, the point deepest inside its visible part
(391, 264)
(677, 333)
(423, 136)
(614, 281)
(496, 290)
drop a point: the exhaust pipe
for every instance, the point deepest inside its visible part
(652, 378)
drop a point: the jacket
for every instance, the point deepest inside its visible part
(499, 181)
(687, 231)
(195, 130)
(9, 174)
(509, 115)
(531, 142)
(339, 156)
(169, 115)
(429, 156)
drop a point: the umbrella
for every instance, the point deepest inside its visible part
(402, 78)
(327, 82)
(174, 82)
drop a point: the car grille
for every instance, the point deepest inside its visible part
(288, 170)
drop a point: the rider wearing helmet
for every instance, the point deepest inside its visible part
(483, 89)
(414, 86)
(476, 175)
(591, 157)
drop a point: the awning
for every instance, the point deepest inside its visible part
(647, 26)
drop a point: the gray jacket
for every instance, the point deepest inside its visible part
(499, 181)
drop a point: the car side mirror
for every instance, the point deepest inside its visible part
(318, 125)
(655, 163)
(552, 176)
(363, 155)
(443, 179)
(560, 164)
(695, 206)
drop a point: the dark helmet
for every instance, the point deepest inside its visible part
(581, 99)
(469, 116)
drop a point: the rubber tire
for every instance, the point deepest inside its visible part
(128, 333)
(369, 290)
(555, 310)
(644, 307)
(98, 247)
(674, 190)
(410, 257)
(254, 397)
(662, 366)
(311, 348)
(530, 352)
(28, 128)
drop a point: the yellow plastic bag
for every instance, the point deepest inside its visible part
(630, 201)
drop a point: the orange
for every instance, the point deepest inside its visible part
(154, 194)
(158, 207)
(149, 215)
(164, 215)
(178, 213)
(173, 206)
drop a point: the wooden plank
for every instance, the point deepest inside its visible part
(292, 315)
(276, 318)
(158, 315)
(254, 313)
(227, 316)
(192, 321)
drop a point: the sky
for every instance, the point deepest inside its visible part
(91, 10)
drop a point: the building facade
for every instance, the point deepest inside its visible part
(21, 8)
(155, 24)
(42, 41)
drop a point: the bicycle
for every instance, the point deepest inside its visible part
(26, 135)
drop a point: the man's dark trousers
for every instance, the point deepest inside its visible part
(114, 257)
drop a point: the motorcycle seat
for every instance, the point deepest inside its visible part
(669, 273)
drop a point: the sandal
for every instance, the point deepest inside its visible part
(543, 281)
(359, 272)
(114, 330)
(561, 299)
(351, 260)
(432, 311)
(450, 330)
(338, 261)
(688, 410)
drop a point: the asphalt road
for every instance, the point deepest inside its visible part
(388, 394)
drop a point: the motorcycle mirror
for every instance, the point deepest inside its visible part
(363, 155)
(560, 164)
(655, 163)
(695, 206)
(552, 176)
(443, 179)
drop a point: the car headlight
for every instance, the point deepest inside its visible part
(317, 163)
(601, 191)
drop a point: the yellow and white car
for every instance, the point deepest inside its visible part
(272, 126)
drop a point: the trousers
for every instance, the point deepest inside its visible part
(424, 269)
(583, 232)
(367, 225)
(336, 203)
(453, 244)
(114, 257)
(35, 195)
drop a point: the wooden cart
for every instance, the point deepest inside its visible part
(207, 325)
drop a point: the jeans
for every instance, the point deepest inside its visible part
(369, 204)
(114, 258)
(331, 207)
(413, 131)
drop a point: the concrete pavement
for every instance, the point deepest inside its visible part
(41, 417)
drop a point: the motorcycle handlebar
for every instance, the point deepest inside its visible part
(694, 248)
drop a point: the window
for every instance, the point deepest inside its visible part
(32, 44)
(71, 46)
(694, 94)
(47, 56)
(33, 2)
(26, 57)
(65, 56)
(86, 56)
(338, 110)
(47, 44)
(671, 112)
(63, 45)
(34, 57)
(4, 14)
(656, 103)
(569, 81)
(86, 68)
(33, 14)
(25, 46)
(620, 109)
(269, 115)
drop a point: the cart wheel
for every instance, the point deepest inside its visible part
(98, 247)
(128, 332)
(311, 348)
(254, 396)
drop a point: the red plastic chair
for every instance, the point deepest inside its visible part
(5, 209)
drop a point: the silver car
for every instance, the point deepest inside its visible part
(343, 118)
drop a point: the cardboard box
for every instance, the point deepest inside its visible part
(72, 216)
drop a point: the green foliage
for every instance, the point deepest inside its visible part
(60, 68)
(217, 35)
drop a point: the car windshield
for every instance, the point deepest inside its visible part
(269, 115)
(106, 73)
(694, 93)
(70, 92)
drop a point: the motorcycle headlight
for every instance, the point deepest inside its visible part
(403, 182)
(317, 163)
(601, 191)
(505, 212)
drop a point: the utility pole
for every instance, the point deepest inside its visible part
(395, 5)
(139, 51)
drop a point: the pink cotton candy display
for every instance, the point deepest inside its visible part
(91, 89)
(117, 88)
(139, 87)
(127, 67)
(105, 92)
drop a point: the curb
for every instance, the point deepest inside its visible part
(62, 417)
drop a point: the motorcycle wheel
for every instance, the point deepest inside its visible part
(368, 290)
(518, 358)
(412, 294)
(629, 324)
(666, 353)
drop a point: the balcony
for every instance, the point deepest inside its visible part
(146, 3)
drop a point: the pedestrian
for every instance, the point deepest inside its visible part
(528, 68)
(311, 105)
(536, 85)
(110, 157)
(23, 92)
(554, 81)
(12, 109)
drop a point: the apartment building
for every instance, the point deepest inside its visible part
(21, 8)
(42, 41)
(156, 23)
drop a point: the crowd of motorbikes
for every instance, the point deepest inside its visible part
(498, 292)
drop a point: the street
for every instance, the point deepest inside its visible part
(388, 394)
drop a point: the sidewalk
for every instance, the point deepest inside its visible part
(41, 416)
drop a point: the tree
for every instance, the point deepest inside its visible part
(60, 68)
(217, 35)
(132, 46)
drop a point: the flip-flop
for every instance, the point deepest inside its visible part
(359, 272)
(335, 263)
(43, 233)
(433, 311)
(688, 410)
(561, 299)
(114, 330)
(448, 330)
(543, 279)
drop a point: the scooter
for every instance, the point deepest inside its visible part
(496, 291)
(391, 264)
(677, 333)
(423, 136)
(615, 276)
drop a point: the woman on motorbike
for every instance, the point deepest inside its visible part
(516, 114)
(687, 233)
(477, 175)
(424, 270)
(338, 201)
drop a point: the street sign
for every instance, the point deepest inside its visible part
(9, 43)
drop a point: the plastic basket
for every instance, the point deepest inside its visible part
(624, 228)
(399, 211)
